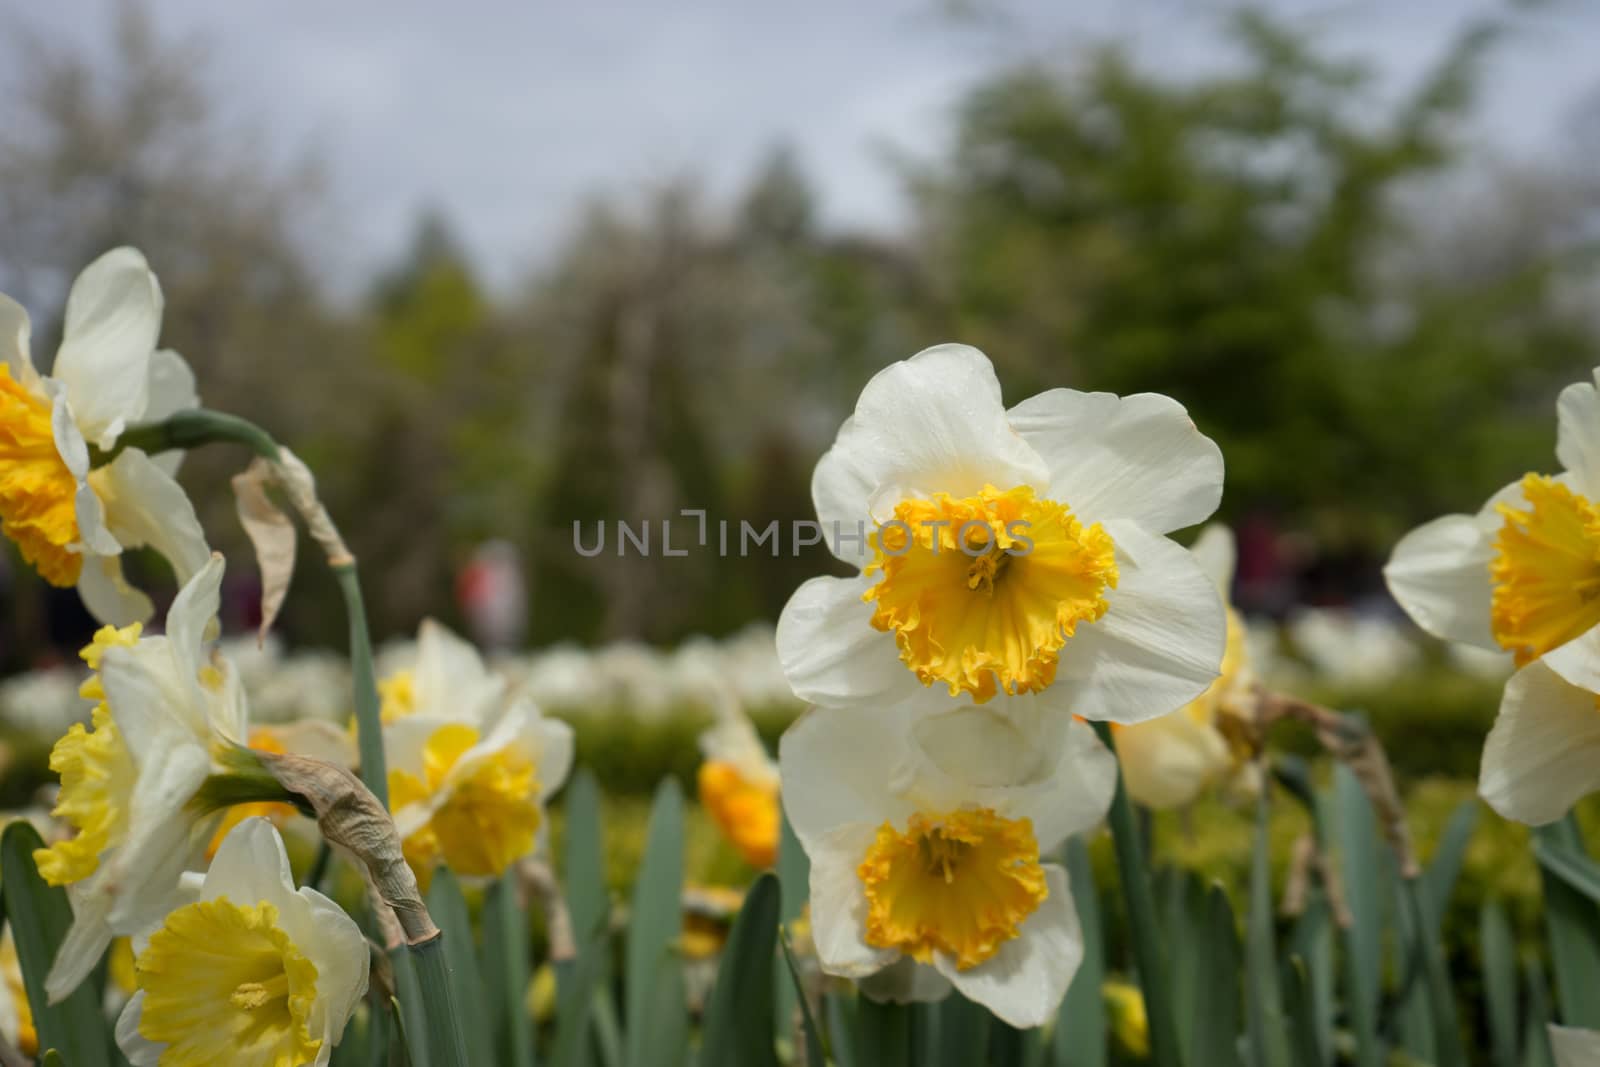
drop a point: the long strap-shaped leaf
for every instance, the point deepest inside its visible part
(39, 916)
(738, 1029)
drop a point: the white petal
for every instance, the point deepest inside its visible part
(140, 1050)
(1574, 1047)
(337, 947)
(1029, 763)
(1543, 753)
(144, 869)
(172, 389)
(931, 424)
(194, 611)
(113, 319)
(145, 506)
(251, 867)
(553, 762)
(1167, 761)
(87, 940)
(1217, 555)
(1136, 457)
(450, 678)
(1578, 435)
(905, 982)
(1439, 573)
(154, 705)
(840, 766)
(830, 652)
(107, 594)
(1026, 980)
(1578, 661)
(1159, 644)
(15, 332)
(839, 904)
(404, 740)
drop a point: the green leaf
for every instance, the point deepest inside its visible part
(1499, 982)
(1353, 838)
(1436, 976)
(840, 1013)
(589, 905)
(1185, 908)
(1573, 920)
(657, 1022)
(1264, 1016)
(1439, 880)
(1080, 1034)
(817, 1052)
(1303, 1012)
(738, 1026)
(449, 911)
(1312, 941)
(52, 1058)
(1216, 1035)
(1536, 1050)
(963, 1031)
(576, 980)
(794, 875)
(40, 915)
(504, 966)
(883, 1034)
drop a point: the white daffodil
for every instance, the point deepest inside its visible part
(1009, 551)
(1523, 574)
(1573, 1047)
(469, 772)
(72, 522)
(444, 678)
(738, 784)
(165, 711)
(248, 971)
(926, 827)
(1543, 754)
(1166, 762)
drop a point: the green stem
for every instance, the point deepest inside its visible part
(190, 429)
(1147, 950)
(514, 981)
(413, 1012)
(369, 723)
(445, 1045)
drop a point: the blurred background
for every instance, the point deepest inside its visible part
(495, 270)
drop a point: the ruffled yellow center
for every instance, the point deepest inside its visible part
(960, 883)
(97, 776)
(226, 984)
(487, 820)
(37, 491)
(982, 592)
(262, 739)
(745, 811)
(399, 693)
(27, 1037)
(1546, 570)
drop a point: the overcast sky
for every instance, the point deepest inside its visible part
(505, 114)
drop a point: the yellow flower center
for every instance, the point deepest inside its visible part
(1546, 570)
(487, 821)
(26, 1037)
(745, 811)
(37, 491)
(960, 883)
(399, 693)
(982, 592)
(262, 740)
(225, 984)
(97, 776)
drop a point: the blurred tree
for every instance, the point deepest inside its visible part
(1224, 240)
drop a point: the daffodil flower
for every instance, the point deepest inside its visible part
(1009, 551)
(248, 971)
(469, 772)
(164, 713)
(738, 785)
(1574, 1047)
(444, 679)
(1543, 754)
(1166, 762)
(70, 521)
(1523, 574)
(926, 828)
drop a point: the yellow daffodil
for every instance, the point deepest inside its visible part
(738, 784)
(16, 1015)
(1523, 575)
(251, 971)
(1009, 551)
(70, 520)
(165, 714)
(444, 677)
(468, 772)
(1166, 762)
(926, 828)
(1130, 1024)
